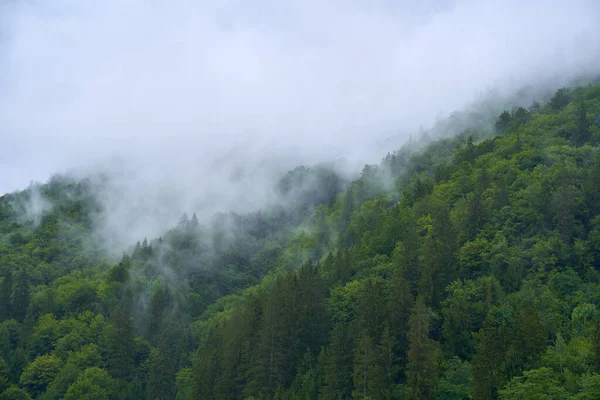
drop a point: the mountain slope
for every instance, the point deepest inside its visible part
(467, 269)
(475, 274)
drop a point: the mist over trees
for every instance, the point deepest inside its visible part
(465, 268)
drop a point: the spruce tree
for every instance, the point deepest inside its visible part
(119, 344)
(20, 300)
(421, 367)
(6, 289)
(161, 373)
(337, 382)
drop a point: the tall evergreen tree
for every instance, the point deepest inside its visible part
(21, 295)
(488, 359)
(161, 373)
(156, 318)
(6, 290)
(119, 344)
(399, 303)
(583, 134)
(364, 366)
(273, 360)
(421, 368)
(337, 382)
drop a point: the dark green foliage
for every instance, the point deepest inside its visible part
(118, 344)
(40, 373)
(421, 365)
(337, 381)
(20, 300)
(487, 362)
(561, 99)
(161, 373)
(14, 393)
(6, 289)
(120, 272)
(4, 375)
(467, 269)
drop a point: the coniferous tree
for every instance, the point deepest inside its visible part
(421, 366)
(502, 122)
(399, 303)
(337, 381)
(20, 300)
(371, 312)
(273, 360)
(592, 186)
(487, 361)
(596, 346)
(386, 369)
(529, 338)
(119, 344)
(582, 134)
(161, 373)
(313, 319)
(364, 366)
(560, 99)
(156, 319)
(475, 213)
(4, 375)
(194, 224)
(6, 290)
(205, 371)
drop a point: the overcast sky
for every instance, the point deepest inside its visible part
(185, 89)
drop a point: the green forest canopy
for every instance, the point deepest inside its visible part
(468, 269)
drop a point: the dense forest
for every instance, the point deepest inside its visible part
(468, 268)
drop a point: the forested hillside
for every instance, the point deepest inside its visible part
(466, 269)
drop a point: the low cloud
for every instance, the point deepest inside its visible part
(205, 102)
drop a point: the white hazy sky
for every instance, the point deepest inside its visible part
(184, 89)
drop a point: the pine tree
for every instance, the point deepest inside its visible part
(583, 134)
(234, 337)
(596, 346)
(592, 187)
(470, 150)
(194, 224)
(564, 215)
(205, 368)
(20, 301)
(487, 362)
(313, 319)
(399, 303)
(386, 369)
(337, 382)
(6, 290)
(364, 365)
(273, 360)
(502, 122)
(475, 213)
(4, 374)
(406, 253)
(371, 312)
(158, 305)
(161, 373)
(184, 222)
(120, 272)
(119, 344)
(342, 265)
(146, 249)
(438, 255)
(348, 207)
(529, 338)
(501, 197)
(421, 368)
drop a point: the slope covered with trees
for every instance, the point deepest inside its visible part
(467, 269)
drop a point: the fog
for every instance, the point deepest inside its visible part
(198, 106)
